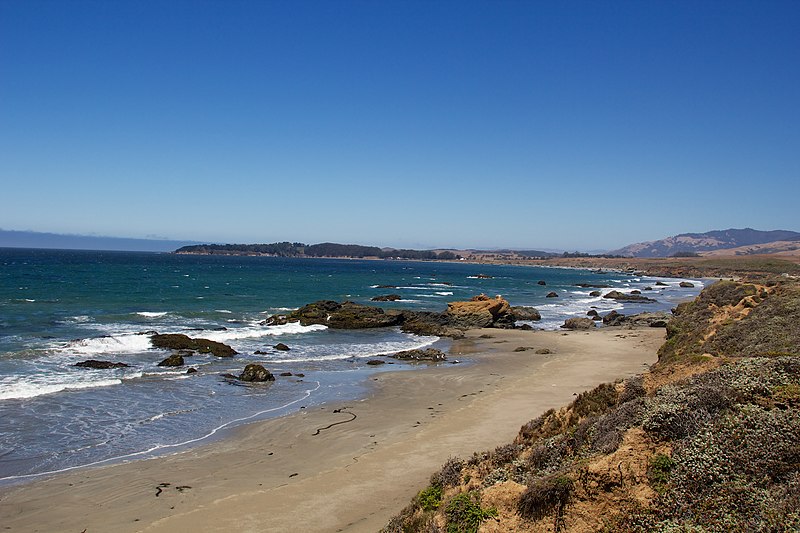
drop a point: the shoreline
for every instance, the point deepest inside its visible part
(326, 468)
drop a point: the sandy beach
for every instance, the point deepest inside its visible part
(341, 467)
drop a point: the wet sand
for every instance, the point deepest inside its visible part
(341, 467)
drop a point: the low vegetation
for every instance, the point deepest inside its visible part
(708, 440)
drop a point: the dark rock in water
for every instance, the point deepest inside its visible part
(347, 315)
(102, 365)
(387, 298)
(484, 276)
(299, 375)
(593, 285)
(150, 332)
(648, 288)
(621, 296)
(552, 294)
(613, 319)
(541, 282)
(525, 313)
(661, 284)
(177, 341)
(428, 354)
(285, 374)
(578, 323)
(375, 362)
(385, 286)
(260, 352)
(256, 373)
(543, 351)
(636, 291)
(191, 370)
(595, 293)
(591, 312)
(173, 360)
(229, 376)
(275, 320)
(597, 317)
(526, 327)
(686, 284)
(522, 349)
(281, 347)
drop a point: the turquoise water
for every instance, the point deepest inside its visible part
(61, 307)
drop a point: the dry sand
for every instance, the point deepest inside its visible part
(293, 474)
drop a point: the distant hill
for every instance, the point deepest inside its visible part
(687, 243)
(325, 249)
(34, 239)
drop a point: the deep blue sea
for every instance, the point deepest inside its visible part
(61, 307)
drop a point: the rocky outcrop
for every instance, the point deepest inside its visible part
(428, 354)
(622, 297)
(387, 298)
(175, 359)
(479, 312)
(100, 365)
(578, 323)
(613, 319)
(593, 285)
(525, 313)
(346, 315)
(256, 373)
(184, 342)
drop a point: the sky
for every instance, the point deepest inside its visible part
(557, 125)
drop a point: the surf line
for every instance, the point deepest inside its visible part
(308, 393)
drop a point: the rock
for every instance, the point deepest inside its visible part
(385, 286)
(427, 323)
(299, 375)
(661, 284)
(101, 365)
(275, 320)
(256, 373)
(347, 315)
(648, 288)
(479, 312)
(173, 360)
(260, 352)
(613, 319)
(552, 294)
(636, 291)
(526, 327)
(578, 323)
(543, 351)
(376, 362)
(654, 320)
(591, 312)
(686, 284)
(541, 282)
(595, 293)
(484, 276)
(519, 312)
(285, 374)
(597, 318)
(593, 285)
(621, 296)
(387, 298)
(281, 347)
(191, 370)
(523, 349)
(183, 342)
(428, 354)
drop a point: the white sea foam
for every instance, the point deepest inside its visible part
(30, 386)
(151, 314)
(124, 343)
(334, 352)
(223, 311)
(256, 331)
(444, 293)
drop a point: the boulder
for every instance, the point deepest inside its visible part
(184, 342)
(281, 347)
(552, 294)
(428, 354)
(387, 298)
(686, 284)
(256, 373)
(479, 312)
(593, 285)
(346, 315)
(519, 312)
(648, 288)
(101, 365)
(541, 282)
(484, 276)
(385, 286)
(613, 319)
(543, 351)
(636, 291)
(591, 312)
(173, 360)
(653, 320)
(578, 323)
(661, 284)
(526, 327)
(285, 374)
(622, 297)
(191, 370)
(595, 294)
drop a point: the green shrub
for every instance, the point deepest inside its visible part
(659, 471)
(465, 514)
(596, 401)
(431, 498)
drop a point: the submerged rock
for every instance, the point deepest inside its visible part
(175, 359)
(256, 373)
(375, 362)
(593, 285)
(101, 365)
(428, 354)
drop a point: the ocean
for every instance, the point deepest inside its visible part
(60, 307)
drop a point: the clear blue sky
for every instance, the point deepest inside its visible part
(570, 125)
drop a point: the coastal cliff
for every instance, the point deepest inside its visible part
(706, 440)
